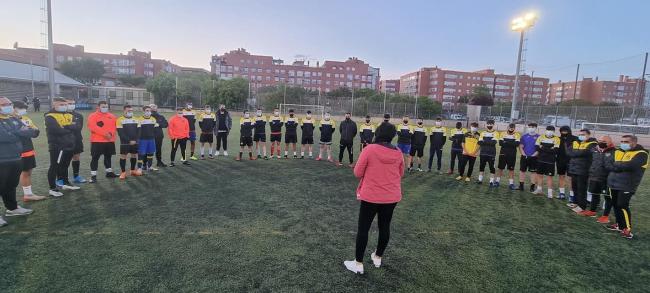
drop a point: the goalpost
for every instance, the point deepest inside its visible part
(316, 110)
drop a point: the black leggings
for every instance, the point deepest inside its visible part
(455, 154)
(579, 187)
(435, 152)
(175, 143)
(94, 161)
(367, 212)
(486, 160)
(343, 146)
(9, 178)
(159, 140)
(59, 163)
(464, 160)
(222, 138)
(621, 202)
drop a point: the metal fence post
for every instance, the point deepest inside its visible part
(557, 111)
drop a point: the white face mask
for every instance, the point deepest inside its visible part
(258, 113)
(62, 108)
(247, 115)
(103, 109)
(438, 123)
(549, 133)
(473, 129)
(308, 115)
(531, 130)
(208, 111)
(71, 107)
(189, 107)
(128, 114)
(21, 112)
(276, 113)
(327, 117)
(6, 110)
(147, 113)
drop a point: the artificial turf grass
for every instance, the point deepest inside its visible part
(287, 225)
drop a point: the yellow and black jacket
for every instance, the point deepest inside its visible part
(260, 125)
(367, 133)
(456, 136)
(404, 133)
(509, 142)
(580, 154)
(148, 127)
(276, 122)
(470, 143)
(307, 126)
(207, 122)
(247, 125)
(291, 125)
(28, 145)
(419, 137)
(488, 142)
(626, 168)
(327, 130)
(547, 148)
(438, 136)
(59, 130)
(128, 129)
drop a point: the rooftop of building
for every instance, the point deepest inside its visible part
(25, 72)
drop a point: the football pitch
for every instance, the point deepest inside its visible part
(287, 226)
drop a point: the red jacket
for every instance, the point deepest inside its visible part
(380, 169)
(100, 124)
(178, 127)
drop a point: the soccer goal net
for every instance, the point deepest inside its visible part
(316, 110)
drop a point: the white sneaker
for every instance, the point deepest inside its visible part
(3, 222)
(216, 154)
(577, 209)
(70, 187)
(353, 266)
(550, 196)
(225, 153)
(376, 260)
(55, 193)
(19, 211)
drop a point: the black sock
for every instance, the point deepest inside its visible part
(123, 165)
(250, 155)
(521, 185)
(419, 166)
(240, 153)
(75, 168)
(192, 154)
(133, 162)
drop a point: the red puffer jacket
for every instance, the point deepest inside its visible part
(380, 169)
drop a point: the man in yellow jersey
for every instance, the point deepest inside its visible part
(307, 126)
(456, 136)
(147, 140)
(366, 133)
(207, 124)
(260, 134)
(404, 133)
(418, 140)
(246, 136)
(509, 142)
(488, 144)
(128, 129)
(437, 138)
(326, 127)
(28, 155)
(547, 146)
(470, 152)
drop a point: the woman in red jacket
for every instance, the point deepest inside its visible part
(380, 168)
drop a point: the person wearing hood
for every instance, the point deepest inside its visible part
(579, 153)
(562, 162)
(348, 131)
(598, 178)
(159, 133)
(626, 169)
(380, 169)
(224, 124)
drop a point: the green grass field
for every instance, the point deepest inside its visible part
(287, 225)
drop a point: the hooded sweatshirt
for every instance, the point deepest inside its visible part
(380, 168)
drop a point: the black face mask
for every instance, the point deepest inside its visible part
(347, 118)
(291, 115)
(602, 145)
(489, 127)
(419, 123)
(564, 134)
(406, 121)
(367, 120)
(511, 130)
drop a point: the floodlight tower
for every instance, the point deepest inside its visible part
(520, 24)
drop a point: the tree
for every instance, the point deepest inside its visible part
(428, 107)
(340, 92)
(481, 96)
(231, 93)
(86, 71)
(609, 104)
(132, 80)
(163, 87)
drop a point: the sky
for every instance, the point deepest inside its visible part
(607, 37)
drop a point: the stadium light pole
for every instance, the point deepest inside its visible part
(520, 24)
(50, 52)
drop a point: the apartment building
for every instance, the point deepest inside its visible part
(624, 91)
(389, 86)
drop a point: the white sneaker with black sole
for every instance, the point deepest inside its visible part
(55, 193)
(353, 266)
(376, 260)
(19, 211)
(70, 187)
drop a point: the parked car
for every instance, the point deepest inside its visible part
(458, 117)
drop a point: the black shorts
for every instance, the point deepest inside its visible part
(128, 149)
(28, 163)
(246, 141)
(206, 137)
(507, 161)
(260, 137)
(527, 164)
(290, 138)
(598, 187)
(78, 147)
(102, 148)
(546, 168)
(562, 166)
(417, 150)
(276, 137)
(307, 140)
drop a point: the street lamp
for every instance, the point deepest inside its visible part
(520, 24)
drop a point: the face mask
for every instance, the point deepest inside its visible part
(61, 108)
(128, 114)
(189, 107)
(21, 112)
(147, 113)
(625, 146)
(179, 113)
(419, 123)
(562, 134)
(208, 111)
(291, 115)
(7, 110)
(602, 145)
(222, 109)
(347, 118)
(406, 122)
(438, 123)
(473, 129)
(367, 120)
(259, 113)
(549, 133)
(276, 113)
(489, 127)
(308, 115)
(247, 115)
(103, 109)
(327, 117)
(71, 107)
(511, 130)
(582, 137)
(531, 130)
